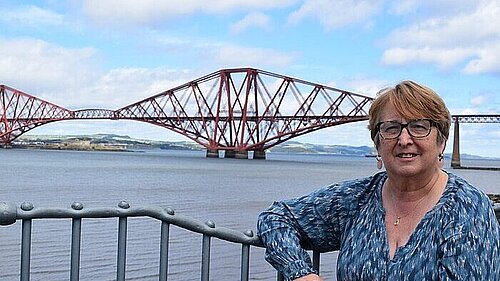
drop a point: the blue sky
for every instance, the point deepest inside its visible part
(110, 53)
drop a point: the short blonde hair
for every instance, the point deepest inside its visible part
(411, 101)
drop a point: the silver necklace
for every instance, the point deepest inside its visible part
(398, 218)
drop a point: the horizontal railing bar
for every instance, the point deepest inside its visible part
(9, 214)
(164, 214)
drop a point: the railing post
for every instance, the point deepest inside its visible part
(122, 248)
(205, 254)
(76, 234)
(26, 250)
(245, 258)
(316, 260)
(75, 249)
(165, 233)
(122, 244)
(245, 262)
(455, 156)
(26, 244)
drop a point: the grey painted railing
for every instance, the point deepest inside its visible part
(26, 213)
(10, 214)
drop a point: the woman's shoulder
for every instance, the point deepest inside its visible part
(359, 189)
(467, 209)
(465, 193)
(463, 200)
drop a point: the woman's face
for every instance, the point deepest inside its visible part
(408, 156)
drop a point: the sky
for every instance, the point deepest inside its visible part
(109, 53)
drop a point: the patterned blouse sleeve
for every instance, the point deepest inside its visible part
(471, 242)
(316, 220)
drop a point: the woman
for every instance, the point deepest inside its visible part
(413, 221)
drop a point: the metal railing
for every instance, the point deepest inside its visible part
(26, 212)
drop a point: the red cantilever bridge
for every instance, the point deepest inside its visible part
(234, 110)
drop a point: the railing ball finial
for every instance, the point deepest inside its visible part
(210, 223)
(77, 206)
(248, 233)
(8, 213)
(124, 204)
(170, 211)
(26, 206)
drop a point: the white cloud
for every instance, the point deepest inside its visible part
(123, 86)
(487, 60)
(353, 134)
(224, 55)
(73, 78)
(251, 20)
(337, 13)
(30, 16)
(366, 86)
(36, 63)
(467, 111)
(478, 100)
(431, 8)
(154, 11)
(238, 56)
(469, 38)
(443, 58)
(403, 7)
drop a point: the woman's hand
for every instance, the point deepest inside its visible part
(309, 277)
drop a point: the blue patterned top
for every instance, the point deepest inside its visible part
(459, 239)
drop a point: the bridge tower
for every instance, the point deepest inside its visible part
(455, 156)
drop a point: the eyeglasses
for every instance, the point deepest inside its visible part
(419, 128)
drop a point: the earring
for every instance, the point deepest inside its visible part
(379, 162)
(440, 157)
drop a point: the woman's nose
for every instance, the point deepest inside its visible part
(405, 138)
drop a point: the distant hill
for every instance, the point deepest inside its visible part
(135, 144)
(138, 144)
(298, 147)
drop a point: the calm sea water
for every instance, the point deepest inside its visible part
(230, 192)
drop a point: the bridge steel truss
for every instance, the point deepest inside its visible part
(457, 119)
(235, 110)
(21, 112)
(242, 110)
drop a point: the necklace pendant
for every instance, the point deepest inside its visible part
(396, 222)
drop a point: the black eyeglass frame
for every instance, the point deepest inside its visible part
(402, 126)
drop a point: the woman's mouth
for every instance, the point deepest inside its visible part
(406, 155)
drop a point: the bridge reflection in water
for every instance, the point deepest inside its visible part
(26, 213)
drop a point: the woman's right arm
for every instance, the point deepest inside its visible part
(313, 219)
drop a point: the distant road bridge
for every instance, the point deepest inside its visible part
(457, 119)
(231, 110)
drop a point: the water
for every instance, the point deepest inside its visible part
(230, 192)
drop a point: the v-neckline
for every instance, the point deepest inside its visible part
(398, 251)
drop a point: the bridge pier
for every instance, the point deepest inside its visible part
(455, 157)
(241, 154)
(238, 154)
(229, 154)
(259, 154)
(212, 153)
